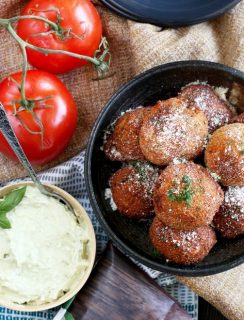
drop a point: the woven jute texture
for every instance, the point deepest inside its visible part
(136, 47)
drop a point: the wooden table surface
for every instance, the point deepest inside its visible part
(208, 312)
(117, 289)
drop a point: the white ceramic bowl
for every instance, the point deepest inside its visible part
(81, 280)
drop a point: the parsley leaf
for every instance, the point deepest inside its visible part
(186, 194)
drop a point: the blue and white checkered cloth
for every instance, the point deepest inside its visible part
(70, 177)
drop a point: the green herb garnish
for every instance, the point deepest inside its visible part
(187, 180)
(242, 151)
(9, 202)
(186, 194)
(141, 169)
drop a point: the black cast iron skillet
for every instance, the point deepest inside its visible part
(130, 236)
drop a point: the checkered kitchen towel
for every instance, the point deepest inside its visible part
(70, 177)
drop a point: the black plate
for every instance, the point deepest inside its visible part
(131, 236)
(170, 12)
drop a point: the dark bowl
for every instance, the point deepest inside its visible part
(130, 236)
(170, 13)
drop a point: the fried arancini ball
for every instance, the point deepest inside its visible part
(229, 220)
(205, 98)
(224, 154)
(171, 130)
(132, 189)
(238, 119)
(123, 143)
(186, 196)
(183, 247)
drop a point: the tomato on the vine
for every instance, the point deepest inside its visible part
(45, 126)
(79, 31)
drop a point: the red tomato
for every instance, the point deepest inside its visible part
(58, 116)
(83, 33)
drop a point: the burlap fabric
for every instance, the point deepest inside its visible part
(135, 48)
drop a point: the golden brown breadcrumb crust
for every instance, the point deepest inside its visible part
(224, 154)
(186, 196)
(132, 189)
(204, 97)
(123, 143)
(229, 220)
(238, 119)
(183, 247)
(173, 129)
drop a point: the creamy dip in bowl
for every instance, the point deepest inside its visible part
(47, 254)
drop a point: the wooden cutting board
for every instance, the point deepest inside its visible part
(119, 290)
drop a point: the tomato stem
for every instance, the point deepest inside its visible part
(25, 104)
(101, 59)
(25, 63)
(17, 18)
